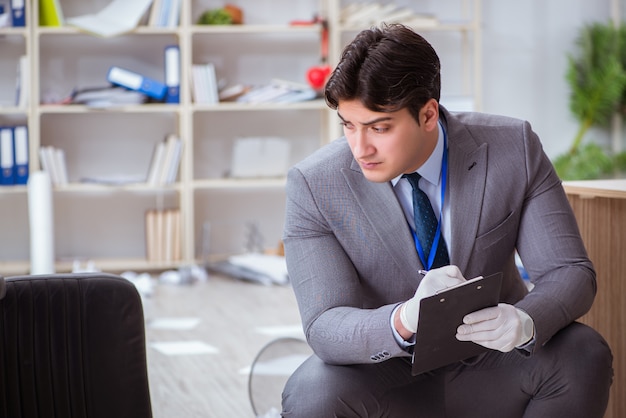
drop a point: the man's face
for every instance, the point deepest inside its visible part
(388, 144)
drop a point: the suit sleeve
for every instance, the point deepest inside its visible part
(327, 285)
(551, 248)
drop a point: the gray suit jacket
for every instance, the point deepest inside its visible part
(351, 256)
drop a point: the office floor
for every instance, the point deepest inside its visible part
(203, 338)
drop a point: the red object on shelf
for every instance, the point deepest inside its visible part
(316, 76)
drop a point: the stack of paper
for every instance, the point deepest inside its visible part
(108, 97)
(278, 91)
(118, 17)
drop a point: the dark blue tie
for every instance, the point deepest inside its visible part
(426, 224)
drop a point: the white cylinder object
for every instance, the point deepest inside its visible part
(41, 223)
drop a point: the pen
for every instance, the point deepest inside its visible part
(422, 272)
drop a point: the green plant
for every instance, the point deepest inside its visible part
(597, 78)
(215, 17)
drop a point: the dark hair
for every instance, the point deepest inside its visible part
(387, 68)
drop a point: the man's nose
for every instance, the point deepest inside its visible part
(362, 147)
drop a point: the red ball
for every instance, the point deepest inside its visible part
(316, 76)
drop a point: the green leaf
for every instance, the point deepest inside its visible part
(587, 162)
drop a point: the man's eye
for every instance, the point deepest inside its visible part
(379, 130)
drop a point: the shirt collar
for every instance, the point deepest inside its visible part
(431, 169)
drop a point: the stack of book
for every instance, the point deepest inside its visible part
(165, 13)
(163, 235)
(204, 83)
(53, 162)
(165, 161)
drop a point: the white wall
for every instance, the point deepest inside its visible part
(525, 47)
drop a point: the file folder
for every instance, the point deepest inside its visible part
(20, 147)
(133, 81)
(6, 155)
(18, 15)
(172, 74)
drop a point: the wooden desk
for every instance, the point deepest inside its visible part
(600, 209)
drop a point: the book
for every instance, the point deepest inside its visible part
(53, 162)
(18, 16)
(173, 16)
(204, 83)
(162, 235)
(60, 166)
(156, 163)
(441, 314)
(155, 11)
(21, 154)
(171, 143)
(6, 156)
(134, 81)
(172, 73)
(50, 13)
(150, 227)
(165, 161)
(174, 162)
(23, 83)
(46, 162)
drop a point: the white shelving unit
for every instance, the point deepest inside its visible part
(105, 223)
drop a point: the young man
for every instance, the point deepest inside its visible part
(354, 249)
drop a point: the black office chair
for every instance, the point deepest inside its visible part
(72, 345)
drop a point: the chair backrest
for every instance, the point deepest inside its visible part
(72, 345)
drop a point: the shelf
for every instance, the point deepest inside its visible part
(141, 30)
(234, 106)
(117, 188)
(99, 142)
(442, 26)
(13, 189)
(245, 29)
(238, 184)
(144, 108)
(118, 265)
(10, 31)
(12, 110)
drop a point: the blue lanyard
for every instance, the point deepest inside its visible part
(444, 177)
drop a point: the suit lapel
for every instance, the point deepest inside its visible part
(382, 209)
(466, 190)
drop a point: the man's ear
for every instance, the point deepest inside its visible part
(429, 114)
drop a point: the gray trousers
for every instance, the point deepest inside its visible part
(569, 377)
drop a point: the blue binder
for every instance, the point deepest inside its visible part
(6, 155)
(18, 15)
(20, 154)
(133, 81)
(172, 73)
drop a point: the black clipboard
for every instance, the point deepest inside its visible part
(441, 314)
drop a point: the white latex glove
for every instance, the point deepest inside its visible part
(434, 281)
(501, 327)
